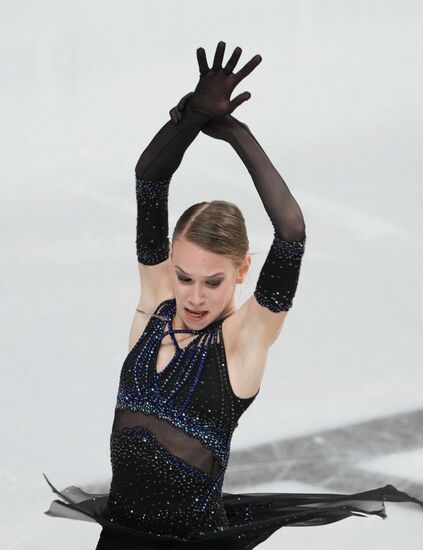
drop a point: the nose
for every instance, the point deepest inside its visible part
(196, 298)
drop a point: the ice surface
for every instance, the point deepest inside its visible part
(408, 465)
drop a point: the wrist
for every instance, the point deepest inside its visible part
(236, 130)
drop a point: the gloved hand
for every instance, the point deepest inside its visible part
(211, 96)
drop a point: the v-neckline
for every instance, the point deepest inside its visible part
(168, 330)
(177, 351)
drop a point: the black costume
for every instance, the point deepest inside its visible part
(171, 434)
(170, 446)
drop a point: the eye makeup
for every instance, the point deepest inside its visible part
(187, 280)
(183, 277)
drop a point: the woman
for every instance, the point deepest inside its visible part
(196, 362)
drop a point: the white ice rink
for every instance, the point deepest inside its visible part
(337, 105)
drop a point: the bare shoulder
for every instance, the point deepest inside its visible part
(248, 335)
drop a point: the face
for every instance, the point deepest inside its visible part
(202, 281)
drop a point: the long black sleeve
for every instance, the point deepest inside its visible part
(279, 275)
(154, 171)
(281, 207)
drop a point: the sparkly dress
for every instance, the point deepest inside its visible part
(170, 445)
(177, 425)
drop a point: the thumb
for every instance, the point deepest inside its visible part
(236, 102)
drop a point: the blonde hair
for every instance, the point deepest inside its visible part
(217, 226)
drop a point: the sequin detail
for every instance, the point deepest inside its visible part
(152, 242)
(190, 397)
(156, 492)
(278, 279)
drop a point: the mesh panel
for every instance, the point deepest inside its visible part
(176, 441)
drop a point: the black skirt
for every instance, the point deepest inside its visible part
(252, 517)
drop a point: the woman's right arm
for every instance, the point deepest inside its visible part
(163, 156)
(153, 172)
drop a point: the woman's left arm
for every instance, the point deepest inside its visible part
(261, 317)
(278, 279)
(263, 314)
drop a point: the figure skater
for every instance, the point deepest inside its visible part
(195, 361)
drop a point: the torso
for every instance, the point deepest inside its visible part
(245, 369)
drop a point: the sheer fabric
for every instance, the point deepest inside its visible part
(177, 442)
(252, 517)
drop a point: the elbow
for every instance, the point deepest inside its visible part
(300, 229)
(295, 233)
(295, 229)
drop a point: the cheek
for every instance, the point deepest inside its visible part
(223, 293)
(182, 291)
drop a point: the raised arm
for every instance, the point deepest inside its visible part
(278, 280)
(279, 203)
(261, 318)
(153, 172)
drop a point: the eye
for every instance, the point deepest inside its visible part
(210, 283)
(214, 283)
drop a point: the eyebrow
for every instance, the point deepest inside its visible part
(206, 277)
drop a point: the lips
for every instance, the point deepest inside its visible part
(195, 316)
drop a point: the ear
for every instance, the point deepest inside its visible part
(242, 271)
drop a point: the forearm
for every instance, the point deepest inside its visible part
(281, 207)
(153, 172)
(164, 153)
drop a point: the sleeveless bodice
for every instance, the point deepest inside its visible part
(172, 430)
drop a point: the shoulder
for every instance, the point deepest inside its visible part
(248, 334)
(253, 326)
